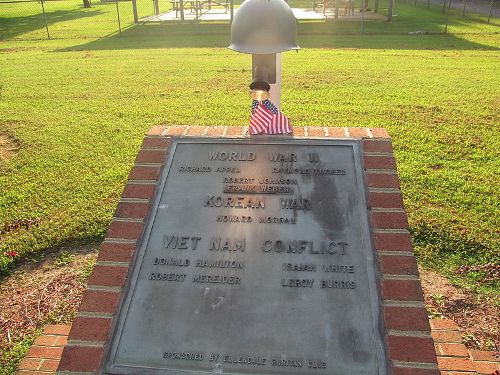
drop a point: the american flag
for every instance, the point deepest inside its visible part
(279, 123)
(260, 120)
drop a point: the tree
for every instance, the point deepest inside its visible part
(86, 3)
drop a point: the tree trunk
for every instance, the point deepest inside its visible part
(86, 3)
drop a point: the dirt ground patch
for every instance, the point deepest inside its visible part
(48, 291)
(478, 318)
(8, 147)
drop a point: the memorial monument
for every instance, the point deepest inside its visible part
(232, 254)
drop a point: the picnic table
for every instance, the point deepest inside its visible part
(197, 6)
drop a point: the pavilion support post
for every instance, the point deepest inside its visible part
(463, 9)
(336, 10)
(231, 10)
(181, 5)
(134, 10)
(157, 7)
(390, 9)
(376, 6)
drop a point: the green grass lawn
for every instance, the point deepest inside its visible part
(78, 109)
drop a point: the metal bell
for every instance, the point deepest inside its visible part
(264, 27)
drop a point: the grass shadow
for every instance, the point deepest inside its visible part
(310, 35)
(11, 27)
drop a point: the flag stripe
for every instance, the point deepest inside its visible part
(260, 120)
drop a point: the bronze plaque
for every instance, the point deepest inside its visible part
(256, 259)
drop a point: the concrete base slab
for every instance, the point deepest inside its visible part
(302, 14)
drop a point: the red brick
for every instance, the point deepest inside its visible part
(44, 352)
(487, 367)
(99, 302)
(108, 276)
(452, 350)
(402, 290)
(413, 371)
(81, 359)
(196, 130)
(90, 329)
(156, 130)
(380, 133)
(46, 340)
(379, 162)
(482, 355)
(299, 131)
(406, 318)
(447, 336)
(336, 132)
(30, 364)
(144, 173)
(49, 365)
(385, 200)
(57, 329)
(448, 324)
(61, 341)
(124, 230)
(116, 252)
(315, 131)
(156, 142)
(139, 191)
(377, 145)
(389, 220)
(382, 180)
(175, 130)
(398, 265)
(150, 156)
(393, 242)
(403, 348)
(132, 210)
(455, 364)
(358, 133)
(215, 131)
(235, 131)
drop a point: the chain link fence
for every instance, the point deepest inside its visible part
(63, 19)
(66, 19)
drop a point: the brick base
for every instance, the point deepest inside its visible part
(453, 357)
(44, 356)
(408, 338)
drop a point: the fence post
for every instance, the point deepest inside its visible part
(491, 11)
(376, 6)
(45, 19)
(157, 7)
(363, 5)
(118, 14)
(134, 10)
